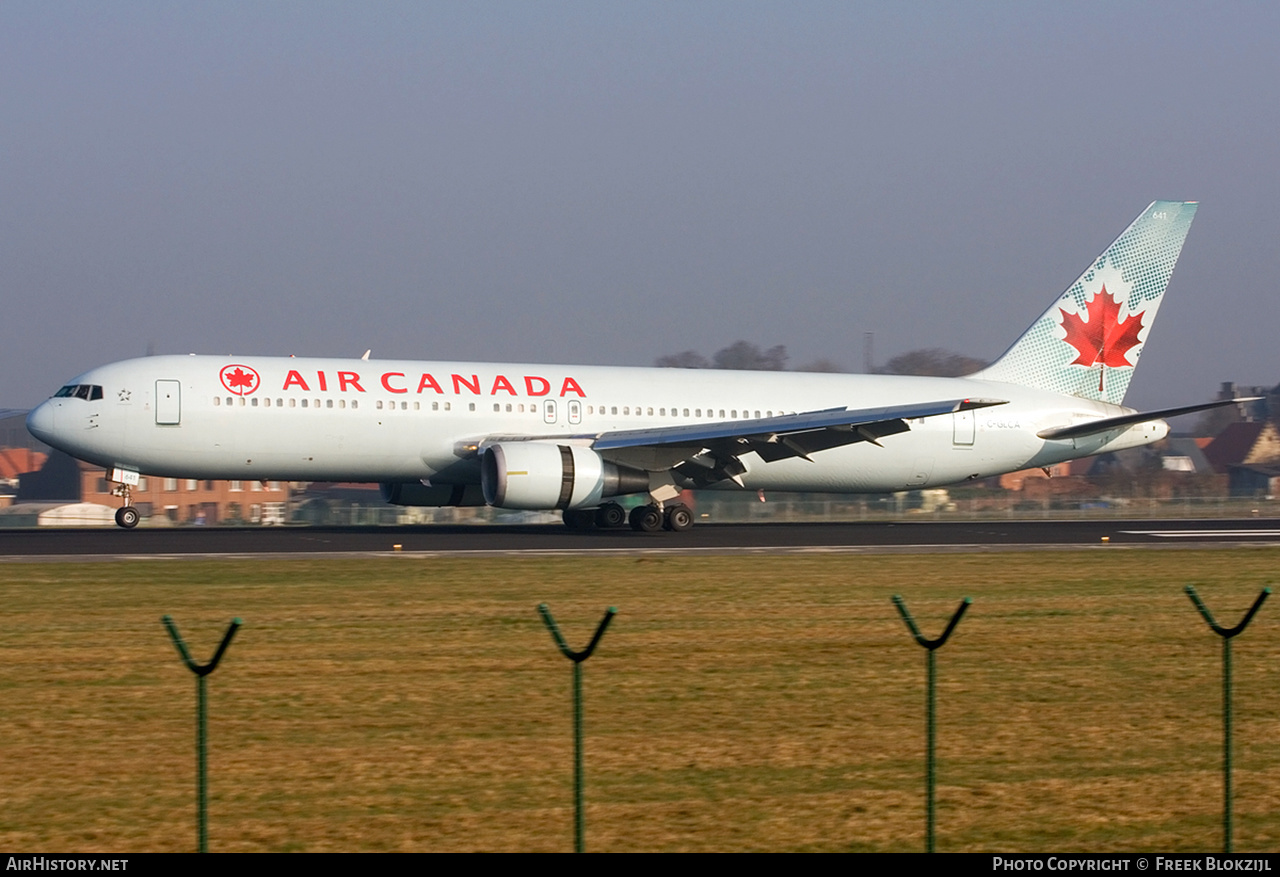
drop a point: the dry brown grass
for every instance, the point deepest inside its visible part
(755, 703)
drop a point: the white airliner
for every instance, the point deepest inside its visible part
(573, 438)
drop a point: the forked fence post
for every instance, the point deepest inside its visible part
(930, 646)
(202, 761)
(1226, 635)
(577, 658)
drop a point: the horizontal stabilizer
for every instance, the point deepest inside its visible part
(1107, 424)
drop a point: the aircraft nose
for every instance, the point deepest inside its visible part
(41, 422)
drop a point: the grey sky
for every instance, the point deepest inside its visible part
(608, 182)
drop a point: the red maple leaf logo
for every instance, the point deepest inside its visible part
(239, 379)
(1104, 339)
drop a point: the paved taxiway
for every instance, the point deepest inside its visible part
(911, 536)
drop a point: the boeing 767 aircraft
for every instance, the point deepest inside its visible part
(574, 438)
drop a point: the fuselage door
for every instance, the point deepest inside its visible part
(964, 428)
(549, 411)
(168, 403)
(575, 411)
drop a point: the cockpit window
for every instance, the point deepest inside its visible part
(80, 391)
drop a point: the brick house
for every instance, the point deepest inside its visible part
(179, 500)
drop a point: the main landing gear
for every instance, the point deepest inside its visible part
(644, 519)
(126, 517)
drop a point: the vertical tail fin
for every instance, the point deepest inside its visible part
(1088, 343)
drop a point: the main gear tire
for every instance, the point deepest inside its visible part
(678, 518)
(646, 519)
(610, 516)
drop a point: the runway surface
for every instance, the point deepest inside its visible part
(878, 537)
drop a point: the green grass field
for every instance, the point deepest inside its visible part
(753, 703)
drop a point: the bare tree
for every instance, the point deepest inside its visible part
(745, 355)
(931, 361)
(821, 365)
(687, 359)
(738, 355)
(1215, 420)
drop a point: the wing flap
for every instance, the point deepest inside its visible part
(874, 422)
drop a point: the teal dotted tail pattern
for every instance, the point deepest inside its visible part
(1134, 271)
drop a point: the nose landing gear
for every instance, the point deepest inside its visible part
(127, 516)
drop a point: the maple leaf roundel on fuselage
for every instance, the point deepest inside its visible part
(239, 379)
(1103, 339)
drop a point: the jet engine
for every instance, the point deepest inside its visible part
(545, 475)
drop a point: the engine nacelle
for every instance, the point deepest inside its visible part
(418, 494)
(545, 475)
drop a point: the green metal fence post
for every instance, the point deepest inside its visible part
(1227, 636)
(931, 646)
(577, 658)
(202, 761)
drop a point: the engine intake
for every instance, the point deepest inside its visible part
(545, 475)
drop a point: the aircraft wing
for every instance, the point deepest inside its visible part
(709, 452)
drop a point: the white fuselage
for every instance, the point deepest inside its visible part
(402, 421)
